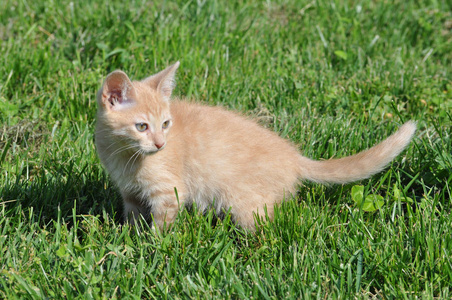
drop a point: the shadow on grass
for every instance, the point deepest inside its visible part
(83, 191)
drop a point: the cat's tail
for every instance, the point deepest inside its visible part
(361, 165)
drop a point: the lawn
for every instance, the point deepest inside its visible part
(335, 77)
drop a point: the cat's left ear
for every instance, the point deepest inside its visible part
(164, 81)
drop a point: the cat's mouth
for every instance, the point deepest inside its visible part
(152, 151)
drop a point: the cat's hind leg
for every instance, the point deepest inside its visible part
(253, 209)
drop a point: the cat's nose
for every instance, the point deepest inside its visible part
(159, 145)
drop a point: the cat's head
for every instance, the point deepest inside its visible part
(136, 113)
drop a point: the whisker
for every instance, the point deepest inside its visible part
(135, 154)
(140, 153)
(109, 132)
(121, 149)
(112, 145)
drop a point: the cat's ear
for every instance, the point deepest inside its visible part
(117, 91)
(164, 81)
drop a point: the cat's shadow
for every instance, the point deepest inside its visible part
(62, 196)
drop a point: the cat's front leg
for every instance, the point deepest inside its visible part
(161, 208)
(133, 208)
(164, 208)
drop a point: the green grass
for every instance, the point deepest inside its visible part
(336, 76)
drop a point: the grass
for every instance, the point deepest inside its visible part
(335, 76)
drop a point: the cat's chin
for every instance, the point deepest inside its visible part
(153, 151)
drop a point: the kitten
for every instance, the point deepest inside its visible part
(153, 146)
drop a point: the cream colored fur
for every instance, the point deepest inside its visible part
(211, 156)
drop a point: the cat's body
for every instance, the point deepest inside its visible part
(152, 146)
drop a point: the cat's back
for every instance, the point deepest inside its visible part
(204, 125)
(231, 144)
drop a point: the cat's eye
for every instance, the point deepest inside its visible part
(141, 126)
(166, 124)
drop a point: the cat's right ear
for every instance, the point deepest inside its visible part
(117, 91)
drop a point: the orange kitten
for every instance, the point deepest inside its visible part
(152, 145)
